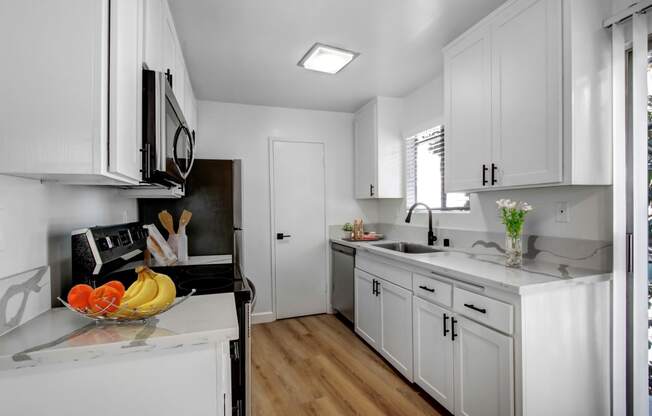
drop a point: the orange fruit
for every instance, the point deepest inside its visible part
(78, 296)
(105, 298)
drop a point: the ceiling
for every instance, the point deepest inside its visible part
(246, 51)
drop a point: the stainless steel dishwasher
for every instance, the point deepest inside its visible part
(343, 263)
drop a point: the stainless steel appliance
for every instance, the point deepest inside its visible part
(342, 268)
(104, 253)
(168, 145)
(214, 195)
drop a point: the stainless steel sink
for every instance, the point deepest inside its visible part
(409, 248)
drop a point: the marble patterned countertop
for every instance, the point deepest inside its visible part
(483, 268)
(59, 335)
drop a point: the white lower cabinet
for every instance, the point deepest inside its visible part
(482, 351)
(383, 318)
(434, 352)
(367, 308)
(484, 376)
(396, 326)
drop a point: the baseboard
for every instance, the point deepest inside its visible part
(262, 317)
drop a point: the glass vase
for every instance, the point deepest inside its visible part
(513, 251)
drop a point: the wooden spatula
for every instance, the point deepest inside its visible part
(167, 221)
(184, 220)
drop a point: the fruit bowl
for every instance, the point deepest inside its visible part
(124, 314)
(150, 295)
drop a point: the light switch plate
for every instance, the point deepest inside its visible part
(562, 214)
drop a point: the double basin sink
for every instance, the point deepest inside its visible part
(407, 248)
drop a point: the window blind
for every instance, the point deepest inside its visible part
(434, 139)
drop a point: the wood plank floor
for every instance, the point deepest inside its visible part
(315, 365)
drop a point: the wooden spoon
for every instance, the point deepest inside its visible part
(184, 220)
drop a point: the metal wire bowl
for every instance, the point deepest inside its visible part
(128, 314)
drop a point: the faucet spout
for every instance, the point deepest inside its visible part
(431, 235)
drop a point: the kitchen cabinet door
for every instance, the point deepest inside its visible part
(527, 93)
(366, 152)
(153, 35)
(367, 309)
(396, 326)
(433, 351)
(179, 85)
(125, 89)
(169, 44)
(484, 374)
(467, 107)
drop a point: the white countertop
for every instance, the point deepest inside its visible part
(486, 269)
(59, 335)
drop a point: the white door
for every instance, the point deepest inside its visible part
(467, 104)
(125, 89)
(396, 326)
(433, 351)
(367, 308)
(527, 93)
(484, 377)
(366, 153)
(299, 230)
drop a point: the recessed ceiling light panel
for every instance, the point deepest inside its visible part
(328, 59)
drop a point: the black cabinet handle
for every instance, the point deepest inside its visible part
(168, 75)
(475, 308)
(371, 190)
(280, 236)
(427, 289)
(446, 330)
(484, 175)
(377, 287)
(494, 168)
(374, 288)
(454, 334)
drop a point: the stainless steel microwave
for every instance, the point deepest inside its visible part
(168, 144)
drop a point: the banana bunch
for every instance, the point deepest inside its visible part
(148, 295)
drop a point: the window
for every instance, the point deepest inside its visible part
(425, 172)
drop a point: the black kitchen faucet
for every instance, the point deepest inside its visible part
(431, 234)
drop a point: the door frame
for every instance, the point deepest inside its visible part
(272, 223)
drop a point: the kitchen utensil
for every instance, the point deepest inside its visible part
(168, 223)
(182, 238)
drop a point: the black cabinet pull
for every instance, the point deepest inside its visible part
(377, 287)
(454, 334)
(446, 330)
(280, 236)
(371, 190)
(475, 308)
(427, 289)
(168, 75)
(484, 175)
(374, 287)
(494, 168)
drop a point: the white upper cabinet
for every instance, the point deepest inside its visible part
(527, 93)
(468, 97)
(125, 89)
(526, 98)
(378, 148)
(56, 115)
(153, 49)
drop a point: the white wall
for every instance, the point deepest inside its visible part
(242, 132)
(36, 220)
(590, 207)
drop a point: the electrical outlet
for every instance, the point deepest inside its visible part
(562, 214)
